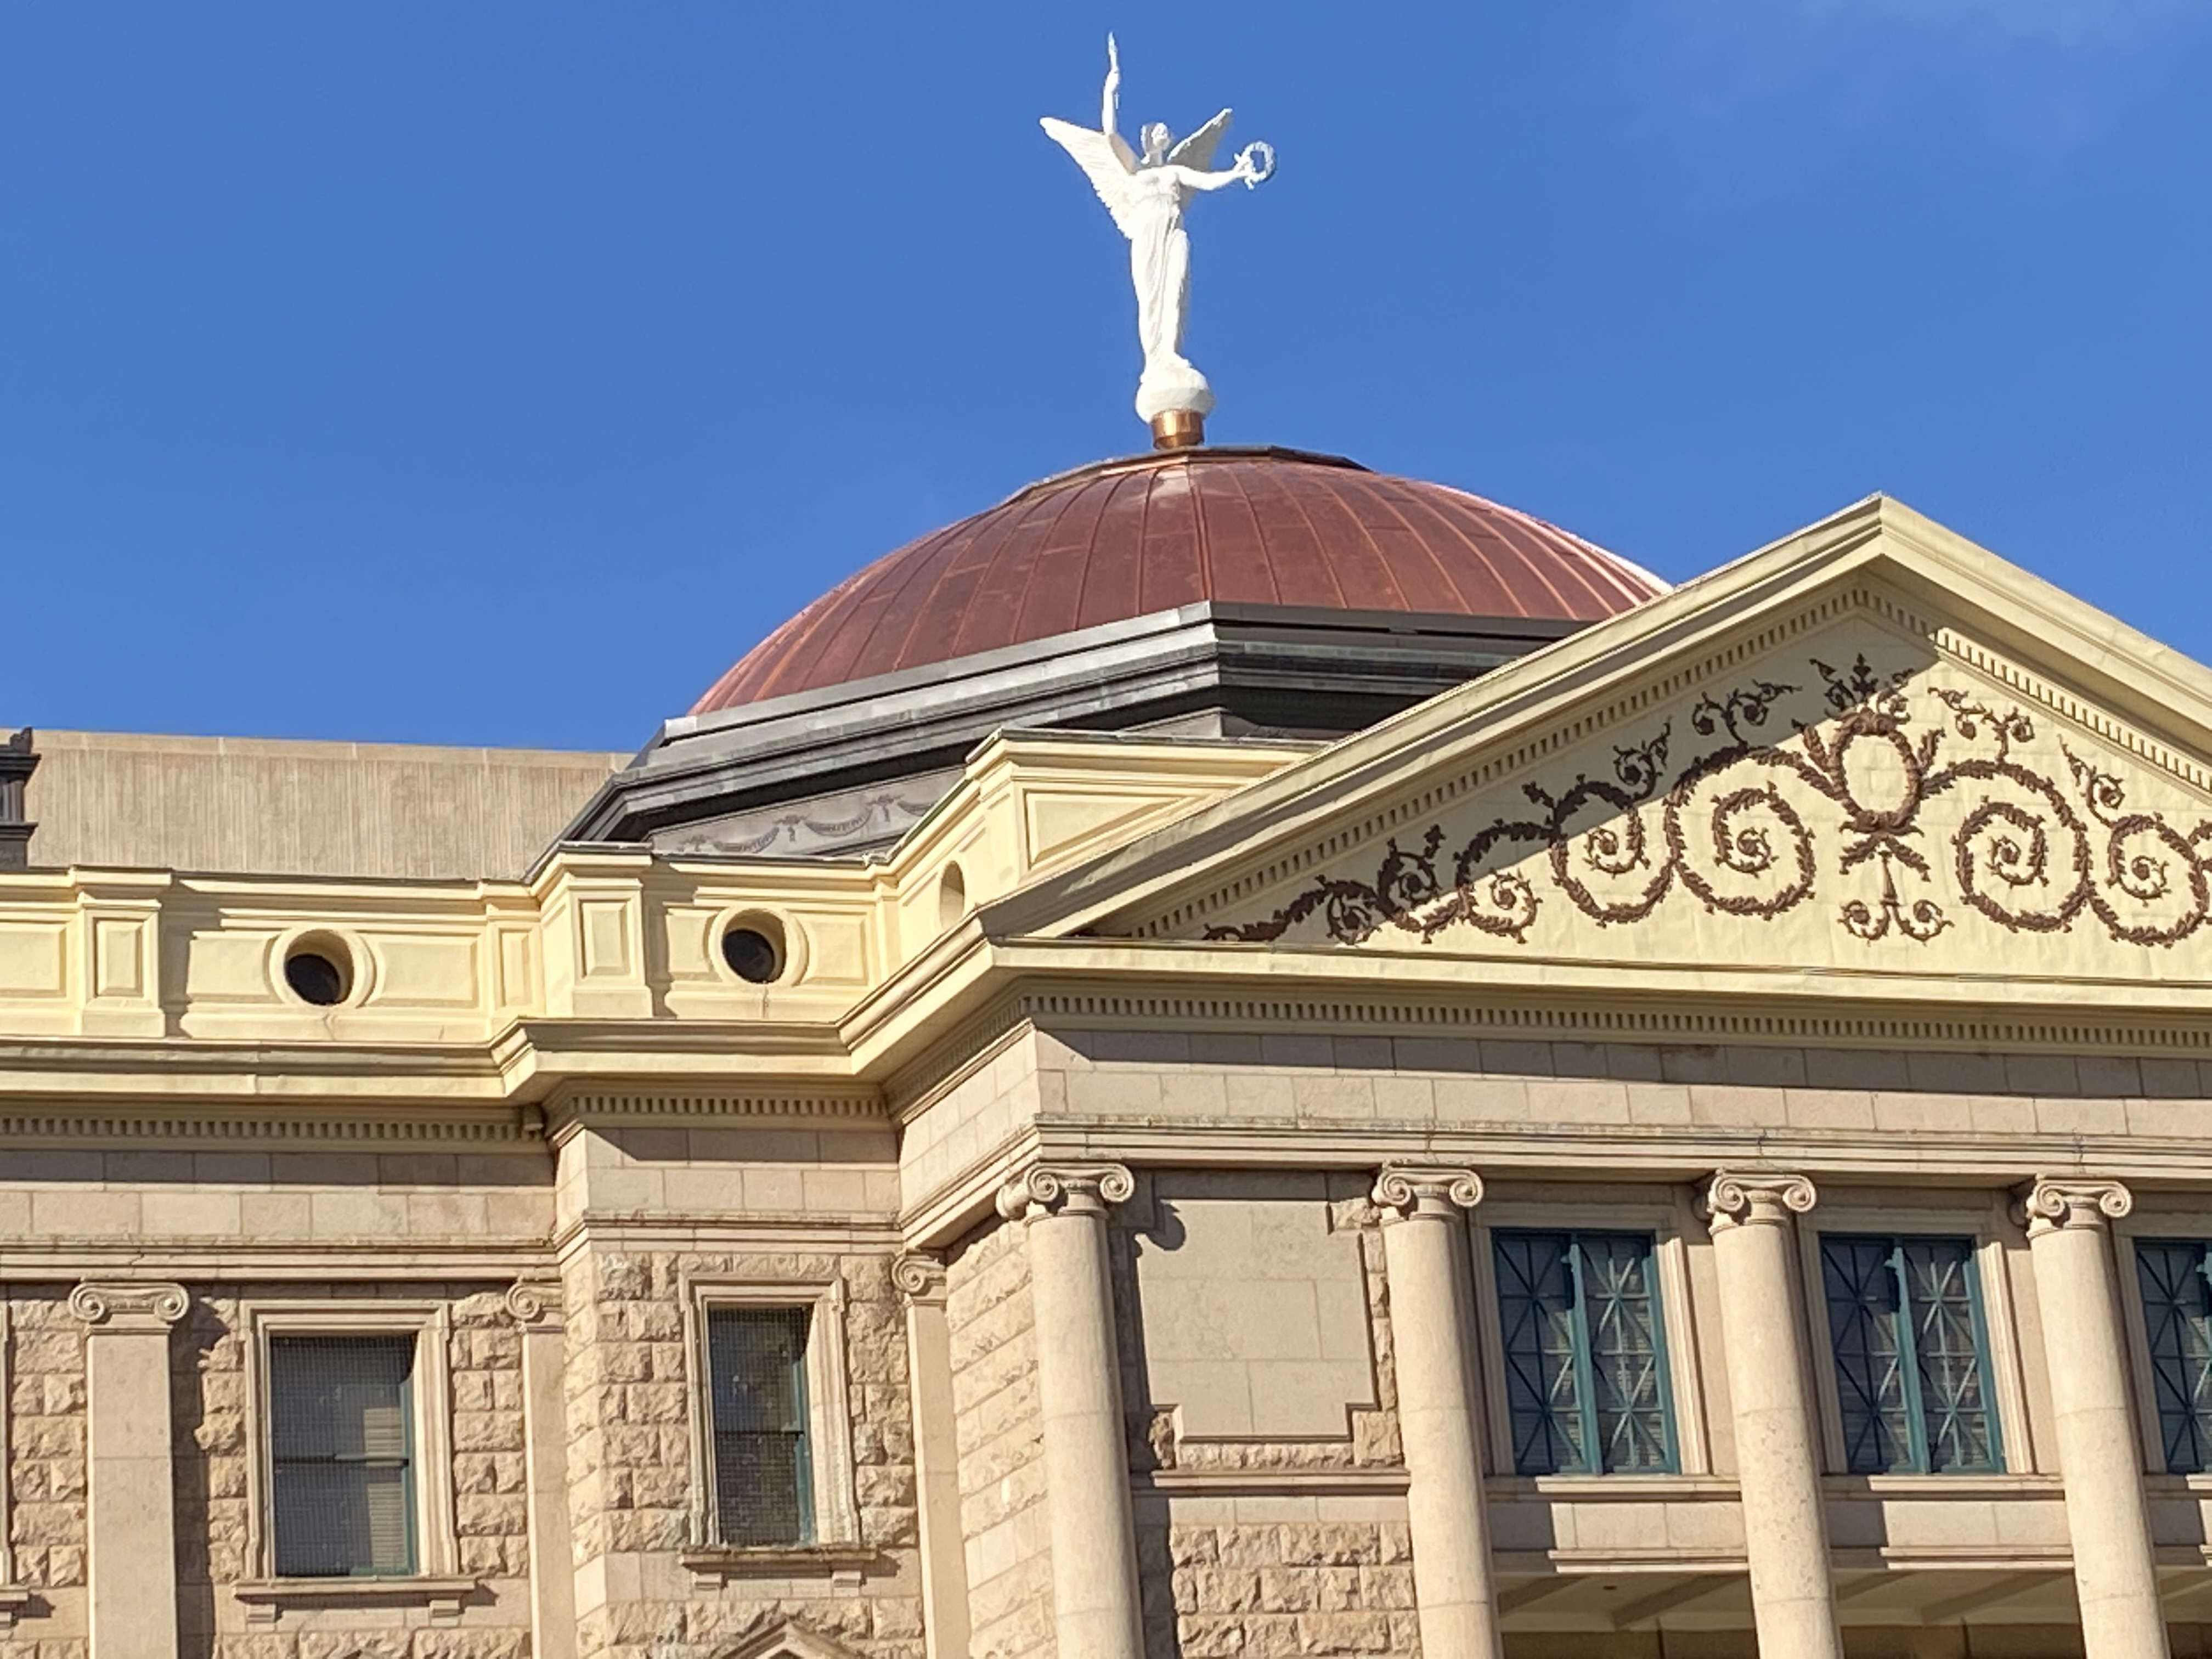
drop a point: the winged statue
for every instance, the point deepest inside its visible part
(1146, 191)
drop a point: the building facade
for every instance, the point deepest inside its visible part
(1235, 1057)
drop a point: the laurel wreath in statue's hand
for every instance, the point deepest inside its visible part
(1256, 161)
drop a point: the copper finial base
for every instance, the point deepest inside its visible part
(1178, 428)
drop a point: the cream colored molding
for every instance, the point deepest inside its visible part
(1743, 1198)
(128, 1306)
(919, 1276)
(398, 1128)
(1045, 1190)
(2052, 1203)
(1407, 1191)
(861, 1105)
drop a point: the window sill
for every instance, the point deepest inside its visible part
(713, 1565)
(1941, 1485)
(267, 1599)
(15, 1602)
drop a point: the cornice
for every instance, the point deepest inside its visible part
(640, 1107)
(185, 1123)
(200, 1260)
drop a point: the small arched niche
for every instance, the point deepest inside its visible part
(951, 896)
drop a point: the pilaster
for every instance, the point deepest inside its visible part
(536, 1307)
(921, 1286)
(130, 1497)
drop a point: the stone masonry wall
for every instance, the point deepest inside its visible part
(1261, 1574)
(46, 1469)
(629, 1387)
(208, 1351)
(1003, 1521)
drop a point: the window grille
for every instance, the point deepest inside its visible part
(342, 1499)
(1585, 1353)
(2175, 1277)
(1911, 1356)
(763, 1455)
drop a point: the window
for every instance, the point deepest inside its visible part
(341, 1460)
(763, 1458)
(772, 1433)
(2175, 1276)
(1911, 1355)
(1585, 1354)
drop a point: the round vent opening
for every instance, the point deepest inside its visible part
(753, 948)
(320, 970)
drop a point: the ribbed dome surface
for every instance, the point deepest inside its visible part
(1126, 539)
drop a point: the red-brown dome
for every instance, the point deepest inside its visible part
(1126, 539)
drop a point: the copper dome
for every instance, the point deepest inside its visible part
(1129, 538)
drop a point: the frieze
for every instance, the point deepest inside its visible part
(1922, 805)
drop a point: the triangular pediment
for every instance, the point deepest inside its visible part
(788, 1640)
(1871, 748)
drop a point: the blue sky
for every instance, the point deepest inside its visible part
(498, 373)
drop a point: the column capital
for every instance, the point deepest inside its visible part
(1044, 1190)
(1410, 1191)
(2051, 1203)
(919, 1276)
(134, 1306)
(535, 1304)
(1740, 1198)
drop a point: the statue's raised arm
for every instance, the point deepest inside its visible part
(1146, 194)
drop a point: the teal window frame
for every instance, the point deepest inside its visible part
(1538, 1421)
(2173, 1286)
(1862, 1422)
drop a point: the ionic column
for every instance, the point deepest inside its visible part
(1777, 1454)
(131, 1531)
(1426, 1254)
(2070, 1236)
(537, 1308)
(921, 1281)
(1096, 1611)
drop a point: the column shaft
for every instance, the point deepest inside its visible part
(130, 1493)
(1777, 1453)
(1425, 1255)
(2100, 1456)
(1097, 1613)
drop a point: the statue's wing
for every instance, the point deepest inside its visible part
(1197, 150)
(1105, 160)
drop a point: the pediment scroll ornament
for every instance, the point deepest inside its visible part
(1910, 781)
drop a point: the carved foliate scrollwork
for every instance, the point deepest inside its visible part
(2031, 852)
(1044, 1190)
(122, 1305)
(2051, 1202)
(1405, 1190)
(1737, 1198)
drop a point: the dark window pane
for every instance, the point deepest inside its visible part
(763, 1463)
(1536, 1307)
(1585, 1373)
(1626, 1358)
(1958, 1428)
(1911, 1361)
(2176, 1297)
(341, 1444)
(1866, 1322)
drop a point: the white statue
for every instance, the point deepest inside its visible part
(1146, 195)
